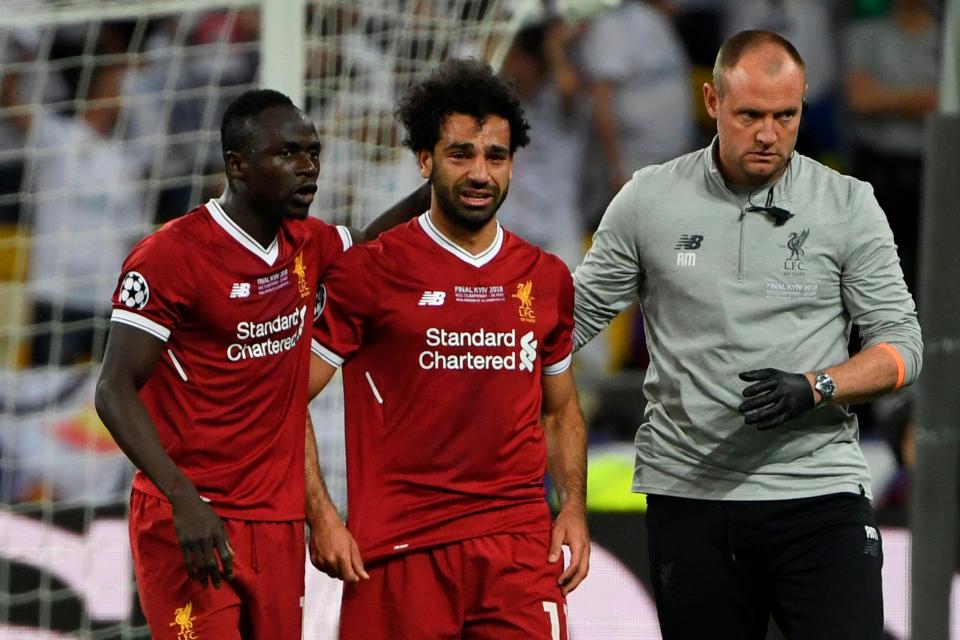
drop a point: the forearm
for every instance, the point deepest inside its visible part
(567, 455)
(127, 420)
(409, 207)
(318, 502)
(605, 125)
(563, 74)
(867, 375)
(866, 96)
(18, 113)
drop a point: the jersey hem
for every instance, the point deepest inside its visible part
(376, 555)
(233, 513)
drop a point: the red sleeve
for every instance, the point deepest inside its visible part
(557, 349)
(155, 286)
(332, 241)
(348, 307)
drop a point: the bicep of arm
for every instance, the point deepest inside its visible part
(130, 357)
(559, 394)
(320, 373)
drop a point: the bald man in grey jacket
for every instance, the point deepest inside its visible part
(751, 263)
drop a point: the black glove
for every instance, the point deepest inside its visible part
(776, 397)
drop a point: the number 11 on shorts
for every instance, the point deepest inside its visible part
(553, 611)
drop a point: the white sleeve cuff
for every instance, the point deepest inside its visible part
(558, 367)
(140, 322)
(325, 354)
(345, 236)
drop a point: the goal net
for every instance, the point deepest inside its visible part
(109, 125)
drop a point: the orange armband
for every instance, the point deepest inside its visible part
(901, 366)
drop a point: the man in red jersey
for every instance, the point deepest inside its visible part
(203, 385)
(455, 336)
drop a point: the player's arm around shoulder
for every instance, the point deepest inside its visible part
(567, 463)
(405, 209)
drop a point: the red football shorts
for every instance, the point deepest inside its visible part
(263, 600)
(498, 587)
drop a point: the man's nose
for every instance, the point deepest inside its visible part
(766, 134)
(479, 172)
(307, 165)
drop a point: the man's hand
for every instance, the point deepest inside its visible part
(202, 539)
(570, 529)
(776, 397)
(334, 551)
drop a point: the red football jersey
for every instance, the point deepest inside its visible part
(444, 354)
(229, 393)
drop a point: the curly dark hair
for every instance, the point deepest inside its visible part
(459, 85)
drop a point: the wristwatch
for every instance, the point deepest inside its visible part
(824, 385)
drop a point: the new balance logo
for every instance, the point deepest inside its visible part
(240, 290)
(689, 243)
(871, 533)
(432, 298)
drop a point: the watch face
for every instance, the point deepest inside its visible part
(825, 386)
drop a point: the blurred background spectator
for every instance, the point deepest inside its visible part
(890, 84)
(640, 93)
(545, 189)
(85, 210)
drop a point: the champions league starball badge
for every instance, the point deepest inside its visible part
(134, 292)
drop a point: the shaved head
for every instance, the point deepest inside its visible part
(773, 51)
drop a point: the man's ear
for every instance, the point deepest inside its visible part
(235, 165)
(711, 100)
(425, 160)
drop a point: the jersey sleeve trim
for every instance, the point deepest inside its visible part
(345, 236)
(325, 354)
(558, 367)
(144, 324)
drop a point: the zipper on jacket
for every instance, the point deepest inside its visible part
(743, 214)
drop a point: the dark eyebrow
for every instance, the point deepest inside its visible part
(295, 145)
(462, 146)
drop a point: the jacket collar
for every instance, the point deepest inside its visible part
(782, 187)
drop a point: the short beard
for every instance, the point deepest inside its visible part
(469, 219)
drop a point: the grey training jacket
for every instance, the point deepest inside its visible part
(724, 290)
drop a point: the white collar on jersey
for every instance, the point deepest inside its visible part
(268, 255)
(449, 245)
